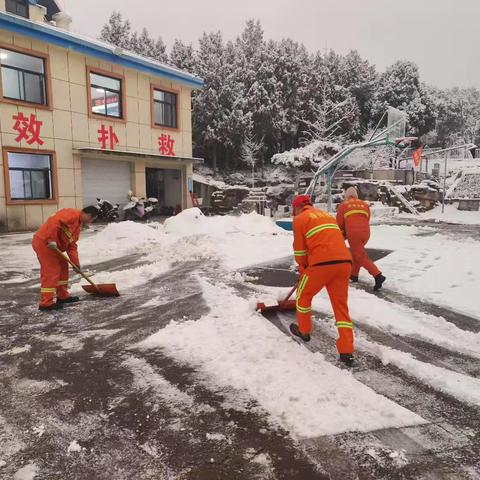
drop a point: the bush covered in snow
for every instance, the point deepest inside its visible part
(309, 157)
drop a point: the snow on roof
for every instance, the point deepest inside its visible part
(95, 48)
(208, 181)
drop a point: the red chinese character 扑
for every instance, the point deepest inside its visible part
(28, 128)
(107, 135)
(166, 144)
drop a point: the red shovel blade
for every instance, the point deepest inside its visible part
(285, 305)
(103, 289)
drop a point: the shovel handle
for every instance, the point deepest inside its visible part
(75, 268)
(291, 292)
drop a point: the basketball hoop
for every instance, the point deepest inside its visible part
(404, 142)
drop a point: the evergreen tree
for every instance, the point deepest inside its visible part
(400, 87)
(182, 56)
(160, 51)
(117, 31)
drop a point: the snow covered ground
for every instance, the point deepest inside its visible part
(439, 268)
(233, 347)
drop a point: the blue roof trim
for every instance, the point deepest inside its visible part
(63, 39)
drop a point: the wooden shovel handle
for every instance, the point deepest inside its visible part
(291, 292)
(75, 268)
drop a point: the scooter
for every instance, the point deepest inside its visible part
(108, 212)
(139, 208)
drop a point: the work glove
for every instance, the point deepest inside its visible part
(52, 245)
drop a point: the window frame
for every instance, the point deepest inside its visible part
(123, 99)
(160, 88)
(25, 3)
(6, 175)
(46, 75)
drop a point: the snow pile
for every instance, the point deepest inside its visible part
(74, 447)
(233, 241)
(28, 472)
(452, 215)
(469, 185)
(234, 346)
(194, 222)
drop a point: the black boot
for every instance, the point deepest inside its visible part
(354, 279)
(347, 359)
(379, 279)
(51, 308)
(295, 331)
(63, 301)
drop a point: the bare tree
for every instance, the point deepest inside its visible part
(250, 149)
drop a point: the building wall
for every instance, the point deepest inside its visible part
(68, 126)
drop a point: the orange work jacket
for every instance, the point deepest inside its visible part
(63, 228)
(353, 216)
(317, 239)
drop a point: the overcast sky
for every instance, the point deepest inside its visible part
(441, 36)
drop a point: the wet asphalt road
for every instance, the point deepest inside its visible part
(83, 379)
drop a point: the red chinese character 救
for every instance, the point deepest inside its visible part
(28, 128)
(166, 144)
(107, 136)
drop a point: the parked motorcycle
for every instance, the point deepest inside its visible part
(108, 212)
(139, 208)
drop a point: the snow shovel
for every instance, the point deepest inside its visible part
(282, 305)
(102, 289)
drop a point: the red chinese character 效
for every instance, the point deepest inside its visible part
(166, 144)
(28, 128)
(107, 136)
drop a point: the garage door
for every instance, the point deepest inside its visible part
(106, 179)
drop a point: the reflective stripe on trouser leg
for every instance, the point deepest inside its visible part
(62, 285)
(49, 271)
(304, 307)
(337, 289)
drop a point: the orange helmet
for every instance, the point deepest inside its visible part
(301, 200)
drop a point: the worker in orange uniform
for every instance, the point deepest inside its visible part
(353, 217)
(61, 231)
(324, 261)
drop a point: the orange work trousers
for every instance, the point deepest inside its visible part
(53, 273)
(336, 279)
(357, 242)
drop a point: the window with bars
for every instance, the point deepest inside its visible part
(23, 77)
(30, 176)
(106, 95)
(165, 108)
(17, 7)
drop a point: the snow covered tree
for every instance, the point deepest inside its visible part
(207, 109)
(250, 149)
(117, 31)
(182, 56)
(458, 115)
(160, 51)
(400, 87)
(361, 79)
(333, 113)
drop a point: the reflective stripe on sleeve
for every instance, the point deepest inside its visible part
(299, 253)
(62, 282)
(48, 290)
